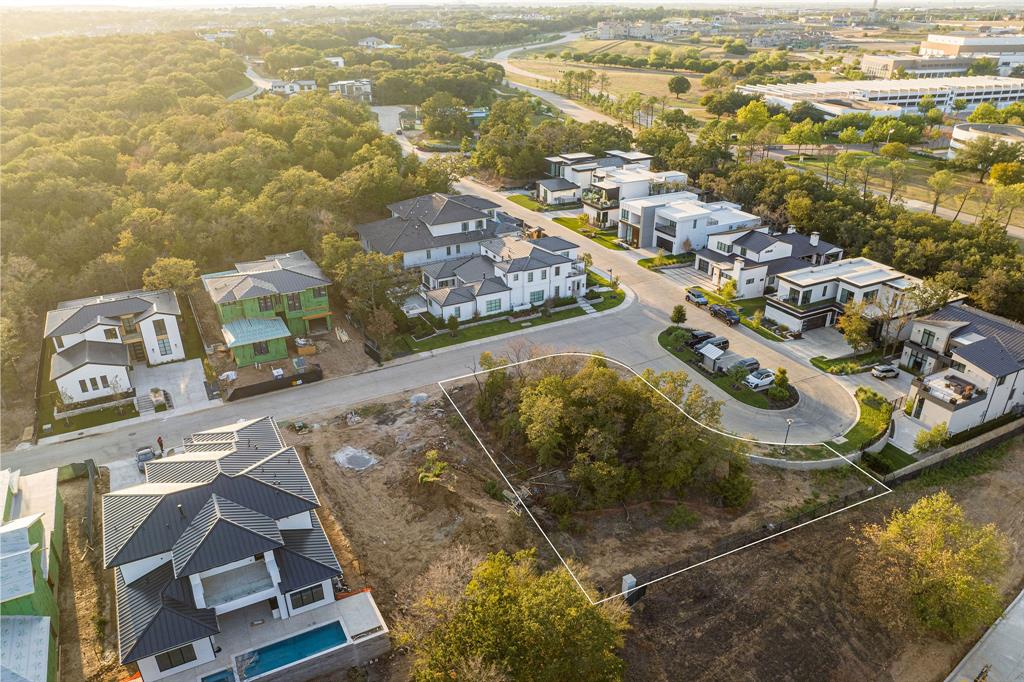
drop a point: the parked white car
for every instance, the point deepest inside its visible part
(762, 378)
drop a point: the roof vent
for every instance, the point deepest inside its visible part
(182, 512)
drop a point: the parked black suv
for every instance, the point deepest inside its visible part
(725, 313)
(698, 336)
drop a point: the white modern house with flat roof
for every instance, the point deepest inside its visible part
(509, 274)
(436, 227)
(892, 97)
(755, 258)
(610, 186)
(97, 340)
(360, 89)
(815, 296)
(571, 173)
(337, 62)
(965, 133)
(220, 556)
(678, 222)
(970, 367)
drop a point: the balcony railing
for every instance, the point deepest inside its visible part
(666, 229)
(950, 389)
(229, 586)
(794, 303)
(599, 200)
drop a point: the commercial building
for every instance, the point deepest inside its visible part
(965, 133)
(678, 222)
(891, 66)
(1006, 50)
(222, 569)
(892, 97)
(969, 366)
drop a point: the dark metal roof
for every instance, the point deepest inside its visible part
(88, 353)
(1009, 334)
(306, 557)
(73, 317)
(557, 184)
(553, 244)
(157, 612)
(220, 533)
(446, 296)
(990, 355)
(395, 234)
(802, 246)
(283, 273)
(755, 241)
(442, 209)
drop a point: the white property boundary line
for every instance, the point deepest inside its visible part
(523, 504)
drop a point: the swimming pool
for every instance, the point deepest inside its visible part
(287, 651)
(220, 676)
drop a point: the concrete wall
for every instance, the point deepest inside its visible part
(331, 666)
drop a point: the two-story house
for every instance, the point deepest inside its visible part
(571, 173)
(436, 227)
(360, 89)
(31, 547)
(970, 367)
(816, 296)
(609, 186)
(754, 258)
(96, 340)
(289, 88)
(262, 303)
(678, 222)
(222, 569)
(509, 274)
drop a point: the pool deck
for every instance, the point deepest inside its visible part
(239, 633)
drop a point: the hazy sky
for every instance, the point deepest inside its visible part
(204, 4)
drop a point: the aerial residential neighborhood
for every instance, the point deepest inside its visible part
(490, 343)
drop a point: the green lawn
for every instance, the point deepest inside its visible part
(741, 393)
(526, 202)
(667, 259)
(746, 308)
(850, 364)
(83, 421)
(888, 460)
(605, 238)
(875, 412)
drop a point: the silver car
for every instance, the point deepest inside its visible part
(885, 371)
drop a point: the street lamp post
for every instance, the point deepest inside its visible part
(891, 131)
(789, 423)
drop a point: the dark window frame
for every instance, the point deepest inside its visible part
(110, 334)
(307, 596)
(260, 348)
(265, 303)
(294, 302)
(175, 658)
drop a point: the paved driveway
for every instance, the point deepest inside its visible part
(182, 380)
(686, 277)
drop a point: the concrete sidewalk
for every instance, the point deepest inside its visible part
(1001, 649)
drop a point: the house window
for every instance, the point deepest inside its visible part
(457, 312)
(465, 227)
(428, 254)
(805, 297)
(1001, 381)
(750, 281)
(845, 295)
(83, 386)
(479, 224)
(59, 342)
(95, 384)
(515, 278)
(927, 337)
(266, 303)
(448, 250)
(160, 327)
(558, 270)
(543, 274)
(260, 348)
(175, 657)
(294, 302)
(164, 345)
(958, 366)
(917, 361)
(458, 248)
(310, 595)
(870, 296)
(537, 296)
(319, 292)
(104, 381)
(494, 305)
(110, 334)
(529, 277)
(623, 214)
(129, 325)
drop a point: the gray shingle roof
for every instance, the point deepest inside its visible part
(221, 532)
(554, 244)
(283, 273)
(88, 353)
(802, 245)
(446, 296)
(74, 317)
(990, 356)
(468, 268)
(306, 557)
(557, 184)
(755, 241)
(440, 209)
(158, 612)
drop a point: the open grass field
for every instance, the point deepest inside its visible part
(915, 184)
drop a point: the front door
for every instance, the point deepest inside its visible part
(138, 352)
(918, 408)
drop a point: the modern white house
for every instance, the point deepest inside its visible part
(815, 296)
(609, 186)
(678, 222)
(965, 133)
(969, 366)
(360, 89)
(571, 173)
(509, 274)
(337, 62)
(96, 340)
(892, 97)
(436, 227)
(289, 88)
(220, 556)
(375, 43)
(755, 258)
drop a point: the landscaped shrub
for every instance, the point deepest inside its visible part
(681, 517)
(932, 438)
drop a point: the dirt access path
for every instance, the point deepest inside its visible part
(785, 609)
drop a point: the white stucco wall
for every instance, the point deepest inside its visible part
(328, 598)
(411, 259)
(97, 333)
(116, 376)
(204, 654)
(149, 339)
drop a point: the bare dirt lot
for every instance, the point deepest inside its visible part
(785, 609)
(88, 635)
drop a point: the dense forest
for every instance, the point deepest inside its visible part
(121, 150)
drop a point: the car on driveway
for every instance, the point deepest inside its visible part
(762, 378)
(749, 364)
(696, 297)
(725, 313)
(885, 371)
(698, 336)
(143, 455)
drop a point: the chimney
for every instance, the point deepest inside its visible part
(813, 239)
(791, 229)
(737, 270)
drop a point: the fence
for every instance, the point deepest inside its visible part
(956, 453)
(311, 374)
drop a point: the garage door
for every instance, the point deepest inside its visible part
(702, 265)
(663, 243)
(816, 322)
